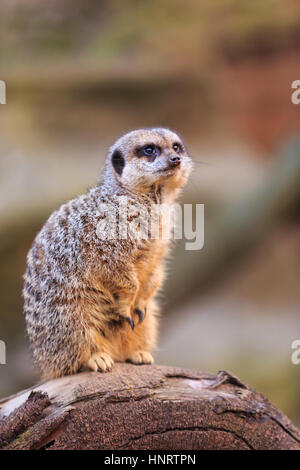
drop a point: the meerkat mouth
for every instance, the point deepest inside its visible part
(168, 171)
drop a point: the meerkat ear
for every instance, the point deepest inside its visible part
(118, 161)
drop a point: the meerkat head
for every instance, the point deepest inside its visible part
(145, 157)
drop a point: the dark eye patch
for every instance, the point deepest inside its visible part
(118, 161)
(151, 151)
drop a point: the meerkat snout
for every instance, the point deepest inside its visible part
(174, 160)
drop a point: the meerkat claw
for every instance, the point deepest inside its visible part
(141, 314)
(130, 321)
(127, 319)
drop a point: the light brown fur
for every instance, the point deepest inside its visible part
(82, 291)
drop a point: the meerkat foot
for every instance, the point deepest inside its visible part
(141, 357)
(100, 362)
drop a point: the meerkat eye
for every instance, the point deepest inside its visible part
(149, 150)
(177, 147)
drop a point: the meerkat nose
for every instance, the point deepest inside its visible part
(174, 160)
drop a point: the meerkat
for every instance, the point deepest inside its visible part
(89, 301)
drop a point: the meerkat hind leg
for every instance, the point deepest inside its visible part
(100, 361)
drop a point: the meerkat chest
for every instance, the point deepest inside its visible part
(149, 259)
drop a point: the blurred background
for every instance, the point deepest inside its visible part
(78, 74)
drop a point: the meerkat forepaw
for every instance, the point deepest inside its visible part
(100, 362)
(141, 357)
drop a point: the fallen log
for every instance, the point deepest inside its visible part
(144, 407)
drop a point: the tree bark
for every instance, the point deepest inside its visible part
(144, 407)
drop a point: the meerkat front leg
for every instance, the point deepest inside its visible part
(125, 307)
(144, 339)
(125, 289)
(147, 290)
